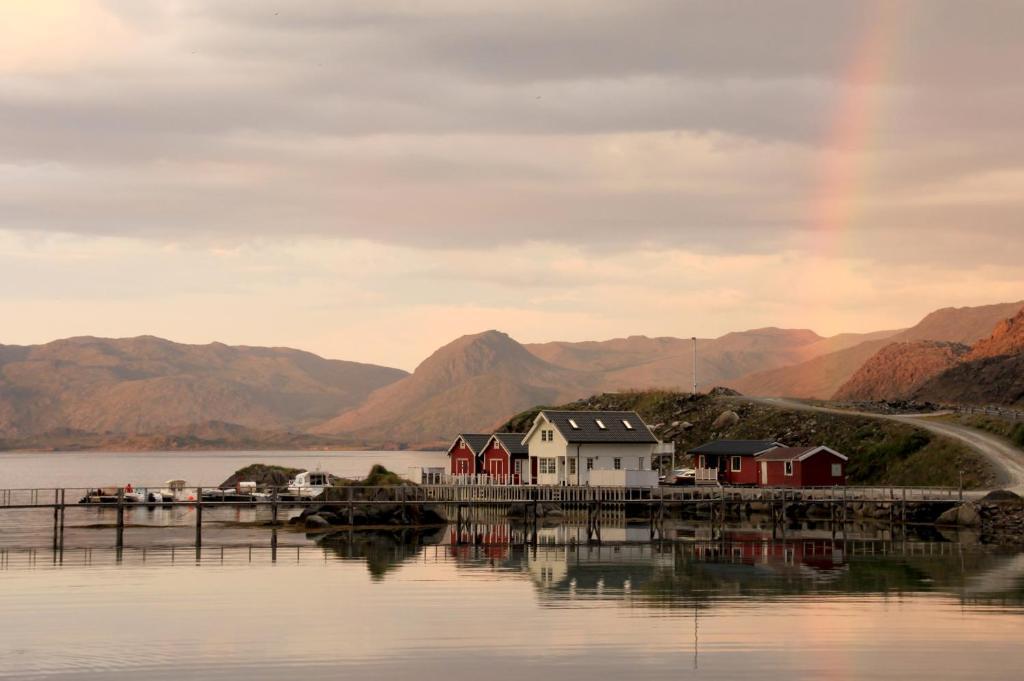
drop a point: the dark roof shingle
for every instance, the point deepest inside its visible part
(588, 430)
(784, 453)
(513, 443)
(476, 441)
(735, 447)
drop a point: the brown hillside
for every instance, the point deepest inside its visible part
(823, 376)
(147, 385)
(896, 371)
(1006, 339)
(639, 361)
(467, 385)
(991, 373)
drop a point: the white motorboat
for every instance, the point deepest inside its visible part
(309, 484)
(173, 491)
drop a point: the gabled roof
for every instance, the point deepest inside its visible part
(512, 442)
(475, 441)
(587, 428)
(736, 447)
(796, 453)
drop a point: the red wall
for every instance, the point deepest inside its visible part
(747, 475)
(813, 472)
(496, 461)
(817, 470)
(457, 454)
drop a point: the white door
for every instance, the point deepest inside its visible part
(764, 472)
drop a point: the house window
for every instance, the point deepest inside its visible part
(519, 466)
(572, 466)
(590, 463)
(462, 444)
(788, 467)
(547, 466)
(640, 463)
(627, 424)
(600, 424)
(618, 464)
(701, 462)
(737, 464)
(837, 470)
(575, 426)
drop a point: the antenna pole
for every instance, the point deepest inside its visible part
(694, 365)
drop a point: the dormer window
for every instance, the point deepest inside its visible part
(627, 424)
(575, 426)
(600, 424)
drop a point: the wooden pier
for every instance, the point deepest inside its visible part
(527, 503)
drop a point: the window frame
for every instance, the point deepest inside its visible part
(600, 424)
(617, 463)
(837, 470)
(590, 463)
(787, 468)
(736, 464)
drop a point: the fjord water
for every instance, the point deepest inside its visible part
(406, 604)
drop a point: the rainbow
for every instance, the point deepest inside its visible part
(846, 164)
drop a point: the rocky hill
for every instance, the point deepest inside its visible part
(465, 386)
(152, 386)
(991, 373)
(642, 362)
(898, 370)
(822, 376)
(881, 452)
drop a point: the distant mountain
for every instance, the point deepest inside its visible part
(991, 373)
(898, 370)
(468, 385)
(821, 377)
(150, 385)
(642, 362)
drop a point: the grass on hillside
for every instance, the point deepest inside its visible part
(880, 452)
(1011, 430)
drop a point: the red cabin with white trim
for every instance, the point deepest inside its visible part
(465, 453)
(801, 467)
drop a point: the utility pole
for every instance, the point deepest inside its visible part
(694, 365)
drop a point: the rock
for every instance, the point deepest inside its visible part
(316, 522)
(1001, 496)
(967, 516)
(964, 515)
(948, 517)
(726, 419)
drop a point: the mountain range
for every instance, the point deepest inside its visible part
(109, 388)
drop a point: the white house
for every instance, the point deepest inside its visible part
(613, 448)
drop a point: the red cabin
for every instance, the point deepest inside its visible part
(466, 452)
(801, 467)
(731, 462)
(504, 458)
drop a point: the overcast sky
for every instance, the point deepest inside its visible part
(368, 180)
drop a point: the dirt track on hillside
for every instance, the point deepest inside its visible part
(1006, 460)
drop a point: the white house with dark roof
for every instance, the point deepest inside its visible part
(614, 448)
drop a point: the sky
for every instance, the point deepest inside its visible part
(371, 180)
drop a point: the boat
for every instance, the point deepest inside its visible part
(112, 495)
(309, 484)
(173, 491)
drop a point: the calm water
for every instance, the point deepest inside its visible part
(422, 605)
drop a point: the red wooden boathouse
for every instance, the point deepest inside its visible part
(465, 453)
(801, 467)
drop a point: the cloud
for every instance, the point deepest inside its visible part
(506, 161)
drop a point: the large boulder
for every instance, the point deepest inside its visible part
(727, 419)
(316, 522)
(964, 515)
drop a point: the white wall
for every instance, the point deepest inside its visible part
(623, 478)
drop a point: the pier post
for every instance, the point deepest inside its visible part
(56, 513)
(120, 518)
(273, 507)
(63, 510)
(351, 508)
(199, 519)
